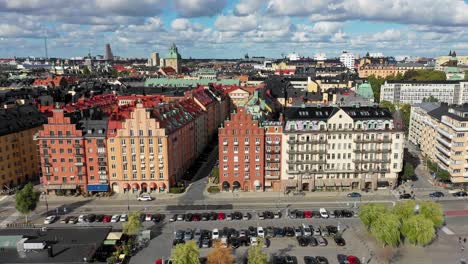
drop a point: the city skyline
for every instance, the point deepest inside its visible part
(231, 28)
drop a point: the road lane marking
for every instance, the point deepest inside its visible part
(447, 231)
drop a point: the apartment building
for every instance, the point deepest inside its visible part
(241, 153)
(413, 92)
(19, 157)
(446, 143)
(333, 148)
(273, 136)
(423, 128)
(62, 152)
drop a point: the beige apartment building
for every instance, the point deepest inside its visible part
(443, 138)
(341, 148)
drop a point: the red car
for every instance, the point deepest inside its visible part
(307, 214)
(196, 217)
(159, 261)
(106, 219)
(221, 216)
(353, 260)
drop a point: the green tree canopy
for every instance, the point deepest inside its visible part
(186, 253)
(432, 211)
(430, 99)
(389, 105)
(408, 171)
(370, 212)
(424, 75)
(133, 225)
(220, 254)
(418, 230)
(255, 255)
(376, 83)
(405, 209)
(386, 229)
(26, 200)
(443, 175)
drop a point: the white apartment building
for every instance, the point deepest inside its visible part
(443, 138)
(413, 92)
(347, 59)
(338, 148)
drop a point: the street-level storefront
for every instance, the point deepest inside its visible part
(139, 187)
(98, 187)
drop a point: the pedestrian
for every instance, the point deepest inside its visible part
(464, 240)
(459, 240)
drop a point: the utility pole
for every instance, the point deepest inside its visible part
(45, 47)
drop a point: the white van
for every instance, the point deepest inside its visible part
(323, 213)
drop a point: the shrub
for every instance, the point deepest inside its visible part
(213, 189)
(176, 190)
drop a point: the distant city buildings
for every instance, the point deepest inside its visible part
(412, 92)
(154, 59)
(347, 59)
(109, 56)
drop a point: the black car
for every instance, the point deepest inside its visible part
(347, 213)
(316, 214)
(99, 218)
(188, 217)
(90, 218)
(338, 213)
(292, 214)
(342, 259)
(321, 260)
(244, 241)
(279, 232)
(436, 194)
(178, 241)
(205, 216)
(405, 196)
(339, 241)
(310, 260)
(303, 241)
(460, 194)
(252, 231)
(156, 218)
(237, 216)
(332, 229)
(213, 216)
(289, 231)
(279, 260)
(234, 243)
(299, 214)
(290, 259)
(354, 195)
(313, 242)
(269, 215)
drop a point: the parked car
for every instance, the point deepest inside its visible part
(260, 216)
(290, 259)
(324, 232)
(115, 218)
(289, 231)
(179, 235)
(81, 218)
(196, 217)
(205, 216)
(316, 214)
(277, 215)
(50, 219)
(99, 218)
(405, 196)
(260, 232)
(123, 218)
(243, 233)
(297, 231)
(436, 194)
(323, 213)
(228, 216)
(269, 215)
(221, 216)
(205, 243)
(237, 216)
(313, 242)
(180, 217)
(252, 231)
(347, 213)
(306, 230)
(310, 260)
(339, 240)
(173, 218)
(106, 219)
(246, 216)
(321, 260)
(156, 218)
(303, 241)
(65, 220)
(332, 229)
(317, 231)
(253, 241)
(215, 234)
(460, 194)
(279, 232)
(234, 242)
(322, 241)
(213, 216)
(188, 217)
(307, 214)
(354, 195)
(337, 213)
(353, 260)
(197, 235)
(342, 259)
(331, 214)
(145, 197)
(90, 218)
(269, 231)
(188, 235)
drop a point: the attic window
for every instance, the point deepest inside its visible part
(90, 131)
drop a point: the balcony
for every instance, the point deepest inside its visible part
(272, 168)
(77, 145)
(310, 141)
(373, 140)
(78, 155)
(372, 151)
(246, 143)
(443, 159)
(273, 142)
(444, 133)
(444, 150)
(236, 143)
(48, 173)
(306, 161)
(273, 151)
(257, 143)
(102, 163)
(272, 177)
(292, 172)
(372, 161)
(444, 141)
(225, 143)
(79, 164)
(80, 173)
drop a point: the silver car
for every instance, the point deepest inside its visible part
(297, 231)
(197, 235)
(188, 234)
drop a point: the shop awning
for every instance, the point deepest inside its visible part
(153, 185)
(126, 186)
(257, 183)
(68, 187)
(144, 185)
(109, 242)
(114, 236)
(135, 185)
(98, 187)
(267, 184)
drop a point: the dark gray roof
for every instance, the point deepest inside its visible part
(68, 245)
(443, 110)
(20, 118)
(91, 128)
(424, 82)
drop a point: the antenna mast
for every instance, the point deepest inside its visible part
(45, 47)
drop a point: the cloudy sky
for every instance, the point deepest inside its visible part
(231, 28)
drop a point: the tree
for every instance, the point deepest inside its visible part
(186, 253)
(431, 99)
(220, 255)
(26, 200)
(376, 83)
(133, 225)
(386, 229)
(404, 210)
(408, 171)
(86, 71)
(432, 211)
(443, 175)
(418, 230)
(405, 114)
(466, 75)
(255, 255)
(389, 105)
(370, 212)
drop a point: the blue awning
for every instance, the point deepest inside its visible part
(98, 187)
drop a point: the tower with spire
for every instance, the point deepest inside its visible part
(173, 58)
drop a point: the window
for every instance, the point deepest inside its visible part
(395, 155)
(161, 175)
(150, 134)
(91, 168)
(151, 174)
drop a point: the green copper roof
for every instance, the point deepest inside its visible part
(173, 82)
(173, 53)
(365, 90)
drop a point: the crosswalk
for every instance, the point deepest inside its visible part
(10, 219)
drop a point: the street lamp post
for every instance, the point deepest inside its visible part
(128, 200)
(46, 202)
